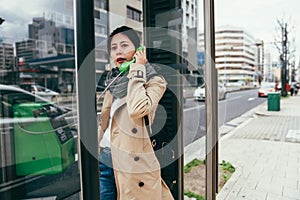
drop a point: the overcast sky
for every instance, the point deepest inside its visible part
(19, 13)
(258, 17)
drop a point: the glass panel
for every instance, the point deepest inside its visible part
(195, 95)
(38, 104)
(38, 137)
(163, 53)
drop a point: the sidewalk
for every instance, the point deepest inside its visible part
(265, 150)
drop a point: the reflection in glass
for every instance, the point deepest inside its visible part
(38, 137)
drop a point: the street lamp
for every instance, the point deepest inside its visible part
(1, 20)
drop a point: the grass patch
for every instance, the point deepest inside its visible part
(194, 177)
(194, 163)
(193, 195)
(227, 166)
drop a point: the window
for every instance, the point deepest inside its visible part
(97, 3)
(100, 29)
(97, 14)
(134, 14)
(103, 4)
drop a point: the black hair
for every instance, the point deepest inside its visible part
(129, 32)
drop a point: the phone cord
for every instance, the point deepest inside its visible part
(102, 93)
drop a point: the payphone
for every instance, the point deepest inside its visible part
(44, 143)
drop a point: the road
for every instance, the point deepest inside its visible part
(235, 104)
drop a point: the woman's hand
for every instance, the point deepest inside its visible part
(140, 57)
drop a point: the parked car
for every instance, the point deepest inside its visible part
(38, 147)
(254, 84)
(265, 89)
(199, 94)
(239, 83)
(40, 91)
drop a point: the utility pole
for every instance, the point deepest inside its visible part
(283, 58)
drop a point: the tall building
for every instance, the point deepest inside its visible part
(6, 56)
(51, 40)
(47, 57)
(6, 63)
(101, 32)
(26, 50)
(189, 22)
(61, 19)
(267, 69)
(189, 32)
(235, 54)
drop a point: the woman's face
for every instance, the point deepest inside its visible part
(121, 49)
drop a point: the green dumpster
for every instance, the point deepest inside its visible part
(43, 142)
(274, 101)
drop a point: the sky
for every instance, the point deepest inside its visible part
(19, 13)
(258, 17)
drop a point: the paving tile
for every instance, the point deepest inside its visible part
(252, 194)
(291, 193)
(291, 183)
(291, 174)
(248, 183)
(270, 188)
(271, 196)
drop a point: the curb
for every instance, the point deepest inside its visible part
(229, 185)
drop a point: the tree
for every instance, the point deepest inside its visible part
(286, 51)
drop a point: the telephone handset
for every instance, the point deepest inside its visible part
(124, 67)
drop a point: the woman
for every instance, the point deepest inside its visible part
(123, 134)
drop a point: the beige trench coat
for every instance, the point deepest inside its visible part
(137, 170)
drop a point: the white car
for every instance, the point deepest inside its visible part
(199, 94)
(41, 91)
(239, 83)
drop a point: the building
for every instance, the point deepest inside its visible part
(128, 13)
(26, 50)
(51, 40)
(268, 74)
(235, 54)
(189, 31)
(47, 57)
(101, 33)
(7, 69)
(61, 19)
(6, 56)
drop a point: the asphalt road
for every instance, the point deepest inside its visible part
(235, 104)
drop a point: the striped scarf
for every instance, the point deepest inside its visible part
(119, 87)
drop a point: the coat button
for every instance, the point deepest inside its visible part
(141, 184)
(134, 130)
(136, 158)
(153, 142)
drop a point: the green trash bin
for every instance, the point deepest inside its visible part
(274, 101)
(43, 142)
